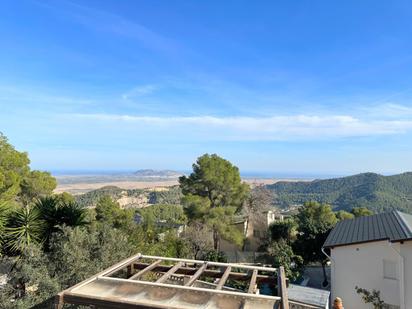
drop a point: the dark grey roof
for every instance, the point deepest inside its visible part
(393, 226)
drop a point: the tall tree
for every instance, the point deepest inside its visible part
(315, 221)
(213, 193)
(198, 238)
(281, 254)
(37, 184)
(17, 181)
(286, 230)
(14, 165)
(259, 201)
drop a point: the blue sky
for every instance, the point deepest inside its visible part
(300, 87)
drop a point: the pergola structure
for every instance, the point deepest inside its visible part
(143, 281)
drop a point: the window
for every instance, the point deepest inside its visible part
(390, 270)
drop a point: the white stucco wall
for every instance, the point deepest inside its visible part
(406, 252)
(362, 265)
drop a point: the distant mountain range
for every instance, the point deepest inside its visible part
(157, 173)
(376, 192)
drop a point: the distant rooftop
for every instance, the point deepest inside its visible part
(394, 226)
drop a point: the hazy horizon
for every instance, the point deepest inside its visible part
(244, 174)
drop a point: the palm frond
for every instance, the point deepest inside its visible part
(24, 227)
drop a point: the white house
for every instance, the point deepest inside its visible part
(373, 252)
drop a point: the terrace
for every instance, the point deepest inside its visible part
(143, 281)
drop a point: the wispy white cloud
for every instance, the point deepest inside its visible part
(139, 91)
(390, 110)
(103, 21)
(294, 127)
(21, 95)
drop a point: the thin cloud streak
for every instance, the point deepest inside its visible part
(117, 25)
(295, 127)
(139, 91)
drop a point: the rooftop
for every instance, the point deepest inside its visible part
(394, 226)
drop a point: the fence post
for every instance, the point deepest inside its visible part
(282, 288)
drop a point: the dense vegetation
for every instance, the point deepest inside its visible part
(297, 241)
(172, 214)
(375, 192)
(51, 241)
(18, 183)
(170, 195)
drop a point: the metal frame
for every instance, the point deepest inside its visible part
(192, 270)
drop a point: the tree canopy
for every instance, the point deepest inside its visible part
(17, 181)
(361, 211)
(213, 193)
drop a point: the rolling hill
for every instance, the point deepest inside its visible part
(376, 192)
(136, 198)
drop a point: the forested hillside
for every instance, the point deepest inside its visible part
(374, 191)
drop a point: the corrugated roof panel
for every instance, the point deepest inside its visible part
(392, 224)
(364, 226)
(370, 229)
(345, 234)
(395, 226)
(375, 228)
(386, 225)
(335, 236)
(380, 228)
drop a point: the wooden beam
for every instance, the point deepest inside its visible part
(119, 266)
(169, 273)
(58, 301)
(252, 283)
(145, 270)
(219, 264)
(129, 270)
(223, 279)
(196, 275)
(213, 273)
(282, 288)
